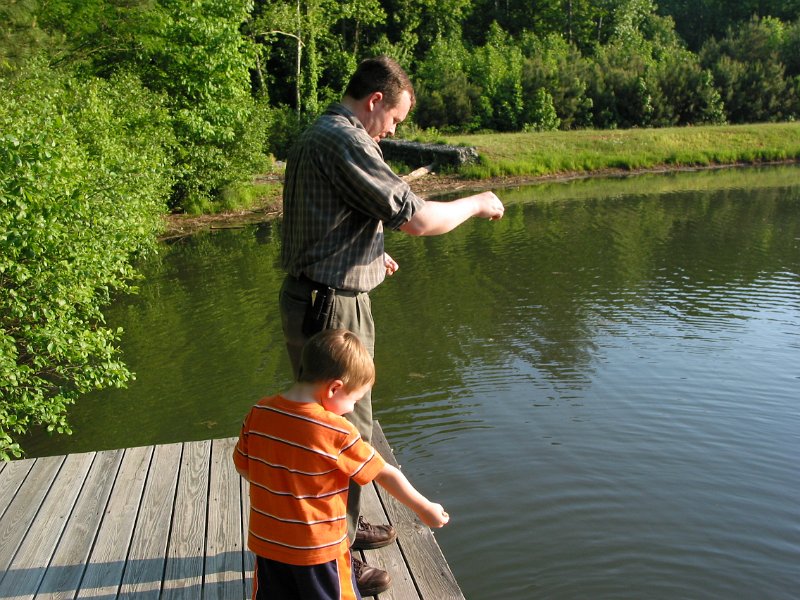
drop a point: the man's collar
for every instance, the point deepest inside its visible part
(339, 109)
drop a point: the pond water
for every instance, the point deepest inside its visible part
(603, 388)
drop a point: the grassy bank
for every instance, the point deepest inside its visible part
(539, 155)
(587, 151)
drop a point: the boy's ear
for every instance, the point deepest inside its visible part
(334, 386)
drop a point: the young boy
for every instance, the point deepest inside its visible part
(299, 454)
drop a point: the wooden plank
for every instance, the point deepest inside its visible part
(11, 479)
(167, 521)
(389, 558)
(69, 560)
(23, 508)
(183, 576)
(432, 574)
(224, 567)
(28, 568)
(106, 563)
(144, 569)
(249, 557)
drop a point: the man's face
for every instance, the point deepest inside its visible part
(382, 119)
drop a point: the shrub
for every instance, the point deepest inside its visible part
(687, 95)
(446, 99)
(541, 115)
(559, 68)
(749, 73)
(496, 68)
(84, 179)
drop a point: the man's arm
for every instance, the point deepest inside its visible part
(394, 482)
(436, 218)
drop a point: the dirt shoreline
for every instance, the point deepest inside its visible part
(428, 186)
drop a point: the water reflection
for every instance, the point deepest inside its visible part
(602, 387)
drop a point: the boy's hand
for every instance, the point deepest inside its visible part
(390, 264)
(434, 515)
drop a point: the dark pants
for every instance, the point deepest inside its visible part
(332, 580)
(351, 311)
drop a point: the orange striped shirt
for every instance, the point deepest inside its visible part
(299, 459)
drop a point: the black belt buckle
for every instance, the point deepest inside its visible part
(319, 310)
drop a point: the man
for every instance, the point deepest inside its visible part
(338, 196)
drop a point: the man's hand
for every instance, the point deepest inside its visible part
(489, 206)
(390, 263)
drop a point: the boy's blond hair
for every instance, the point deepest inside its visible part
(336, 354)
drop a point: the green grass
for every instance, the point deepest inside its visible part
(559, 152)
(585, 152)
(248, 196)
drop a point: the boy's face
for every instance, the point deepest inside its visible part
(342, 401)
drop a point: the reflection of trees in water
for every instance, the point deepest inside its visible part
(541, 285)
(534, 293)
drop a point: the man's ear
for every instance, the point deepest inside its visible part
(373, 99)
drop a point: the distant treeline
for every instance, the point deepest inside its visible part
(114, 111)
(238, 78)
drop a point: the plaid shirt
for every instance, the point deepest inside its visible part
(338, 195)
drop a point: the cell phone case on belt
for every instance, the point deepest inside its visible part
(318, 311)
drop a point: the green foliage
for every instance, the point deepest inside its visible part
(496, 68)
(557, 67)
(642, 76)
(620, 89)
(284, 125)
(610, 64)
(83, 180)
(541, 115)
(749, 74)
(311, 45)
(687, 95)
(446, 99)
(193, 53)
(242, 196)
(20, 37)
(198, 57)
(790, 49)
(697, 21)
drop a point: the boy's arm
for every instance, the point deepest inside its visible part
(240, 460)
(243, 473)
(394, 482)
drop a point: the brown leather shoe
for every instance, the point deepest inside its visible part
(369, 537)
(370, 580)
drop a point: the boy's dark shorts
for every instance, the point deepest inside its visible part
(332, 580)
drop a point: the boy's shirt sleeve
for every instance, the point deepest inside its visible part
(360, 460)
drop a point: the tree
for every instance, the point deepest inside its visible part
(687, 95)
(419, 24)
(496, 68)
(697, 21)
(557, 67)
(84, 177)
(192, 52)
(309, 26)
(749, 74)
(21, 38)
(446, 99)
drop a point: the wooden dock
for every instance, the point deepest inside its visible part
(167, 522)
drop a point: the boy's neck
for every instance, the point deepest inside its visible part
(305, 393)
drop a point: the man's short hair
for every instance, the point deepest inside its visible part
(380, 74)
(336, 354)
